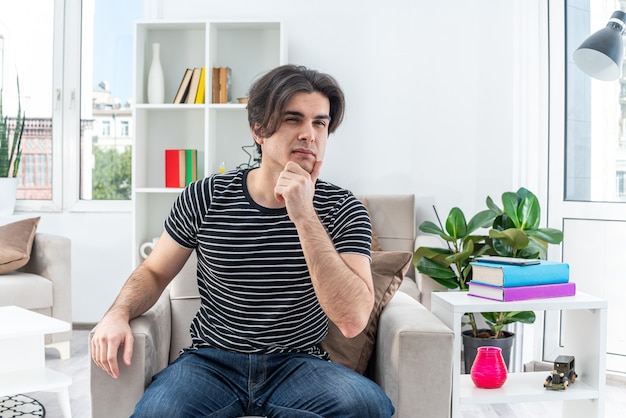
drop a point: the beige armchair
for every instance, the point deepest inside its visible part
(44, 285)
(413, 355)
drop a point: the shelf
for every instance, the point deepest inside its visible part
(192, 106)
(523, 387)
(170, 106)
(462, 302)
(32, 380)
(218, 131)
(158, 190)
(167, 25)
(583, 399)
(227, 106)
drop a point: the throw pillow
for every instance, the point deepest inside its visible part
(388, 269)
(16, 243)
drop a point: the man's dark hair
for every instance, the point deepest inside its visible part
(269, 95)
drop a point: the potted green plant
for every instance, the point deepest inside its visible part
(512, 231)
(10, 155)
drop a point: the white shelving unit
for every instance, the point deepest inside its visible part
(584, 336)
(217, 131)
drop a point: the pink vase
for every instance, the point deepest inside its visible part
(489, 370)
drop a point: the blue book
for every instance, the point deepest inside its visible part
(509, 275)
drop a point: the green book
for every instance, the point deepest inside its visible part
(191, 166)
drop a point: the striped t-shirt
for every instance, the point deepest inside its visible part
(255, 288)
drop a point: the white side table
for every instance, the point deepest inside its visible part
(584, 336)
(22, 355)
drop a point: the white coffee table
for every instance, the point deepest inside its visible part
(23, 358)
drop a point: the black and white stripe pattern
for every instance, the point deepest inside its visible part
(255, 287)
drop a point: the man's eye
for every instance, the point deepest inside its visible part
(321, 122)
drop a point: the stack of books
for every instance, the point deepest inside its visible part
(518, 279)
(181, 167)
(191, 87)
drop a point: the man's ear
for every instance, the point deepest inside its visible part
(256, 137)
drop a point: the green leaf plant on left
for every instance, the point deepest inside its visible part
(11, 150)
(512, 231)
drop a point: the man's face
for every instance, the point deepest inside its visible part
(302, 134)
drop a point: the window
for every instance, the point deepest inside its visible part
(80, 75)
(586, 170)
(596, 115)
(105, 167)
(621, 183)
(124, 128)
(26, 54)
(106, 128)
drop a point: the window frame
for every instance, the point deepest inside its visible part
(66, 91)
(560, 210)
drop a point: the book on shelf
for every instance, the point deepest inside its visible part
(225, 84)
(183, 88)
(174, 164)
(509, 275)
(215, 85)
(221, 85)
(193, 86)
(191, 166)
(510, 294)
(181, 167)
(200, 93)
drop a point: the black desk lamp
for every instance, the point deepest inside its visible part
(601, 55)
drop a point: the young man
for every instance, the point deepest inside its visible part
(279, 254)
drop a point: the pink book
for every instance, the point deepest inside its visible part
(509, 294)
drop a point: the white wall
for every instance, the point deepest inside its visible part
(101, 257)
(430, 110)
(429, 89)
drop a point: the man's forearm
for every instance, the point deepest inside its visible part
(138, 294)
(346, 297)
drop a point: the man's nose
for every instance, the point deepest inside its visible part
(307, 133)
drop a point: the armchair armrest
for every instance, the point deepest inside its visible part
(152, 332)
(414, 359)
(51, 258)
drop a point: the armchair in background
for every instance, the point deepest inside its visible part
(43, 284)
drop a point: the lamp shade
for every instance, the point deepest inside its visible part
(601, 55)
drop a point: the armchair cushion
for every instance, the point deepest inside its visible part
(376, 246)
(16, 243)
(388, 270)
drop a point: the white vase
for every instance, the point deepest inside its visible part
(155, 77)
(8, 191)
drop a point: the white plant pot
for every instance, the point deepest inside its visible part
(8, 191)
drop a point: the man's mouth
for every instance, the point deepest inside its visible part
(304, 152)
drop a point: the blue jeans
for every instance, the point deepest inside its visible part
(217, 383)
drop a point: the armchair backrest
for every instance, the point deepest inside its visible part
(393, 219)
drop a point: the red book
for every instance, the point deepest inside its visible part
(174, 168)
(509, 294)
